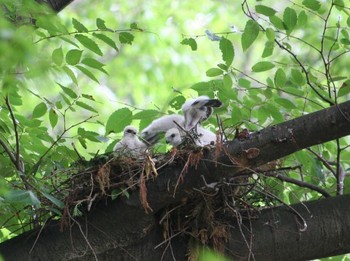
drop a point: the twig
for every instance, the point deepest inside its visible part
(327, 165)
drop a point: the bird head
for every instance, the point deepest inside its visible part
(173, 137)
(130, 131)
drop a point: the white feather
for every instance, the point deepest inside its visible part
(161, 125)
(130, 143)
(197, 110)
(173, 137)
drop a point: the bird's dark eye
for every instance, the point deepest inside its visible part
(172, 135)
(129, 131)
(203, 108)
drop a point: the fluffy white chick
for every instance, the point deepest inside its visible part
(197, 110)
(205, 137)
(173, 137)
(130, 143)
(161, 125)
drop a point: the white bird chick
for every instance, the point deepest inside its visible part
(161, 125)
(205, 137)
(130, 143)
(198, 110)
(173, 137)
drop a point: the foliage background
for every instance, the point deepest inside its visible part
(66, 90)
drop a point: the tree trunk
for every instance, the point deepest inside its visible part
(121, 230)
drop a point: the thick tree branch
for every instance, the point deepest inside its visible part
(111, 233)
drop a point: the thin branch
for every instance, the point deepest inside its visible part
(325, 163)
(298, 182)
(18, 162)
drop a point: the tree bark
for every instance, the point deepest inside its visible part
(123, 231)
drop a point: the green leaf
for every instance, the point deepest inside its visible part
(312, 4)
(107, 40)
(290, 19)
(212, 72)
(53, 117)
(89, 135)
(71, 74)
(191, 42)
(118, 120)
(244, 83)
(22, 196)
(85, 106)
(54, 200)
(298, 77)
(69, 41)
(344, 89)
(146, 114)
(262, 66)
(100, 24)
(270, 34)
(88, 43)
(201, 87)
(134, 26)
(227, 80)
(68, 91)
(79, 26)
(73, 56)
(236, 115)
(57, 56)
(268, 50)
(177, 102)
(126, 38)
(39, 110)
(302, 19)
(265, 10)
(93, 63)
(88, 96)
(287, 104)
(250, 33)
(227, 51)
(87, 73)
(277, 22)
(82, 142)
(280, 78)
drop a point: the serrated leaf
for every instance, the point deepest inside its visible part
(265, 10)
(290, 19)
(89, 135)
(212, 72)
(146, 114)
(312, 4)
(250, 33)
(268, 50)
(87, 73)
(106, 40)
(57, 56)
(190, 42)
(134, 26)
(262, 66)
(79, 26)
(54, 200)
(177, 102)
(68, 91)
(126, 38)
(287, 104)
(280, 78)
(53, 117)
(118, 120)
(100, 24)
(85, 106)
(298, 77)
(93, 63)
(39, 110)
(88, 43)
(227, 51)
(73, 56)
(71, 74)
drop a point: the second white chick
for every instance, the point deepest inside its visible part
(130, 143)
(205, 137)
